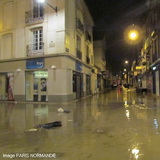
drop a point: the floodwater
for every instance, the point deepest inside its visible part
(112, 126)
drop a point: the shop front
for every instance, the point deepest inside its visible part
(36, 78)
(88, 85)
(36, 86)
(6, 86)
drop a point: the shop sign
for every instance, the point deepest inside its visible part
(78, 66)
(139, 67)
(41, 74)
(35, 63)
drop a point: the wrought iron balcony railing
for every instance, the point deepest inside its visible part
(35, 49)
(79, 54)
(79, 25)
(34, 15)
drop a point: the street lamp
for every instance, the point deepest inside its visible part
(126, 62)
(133, 34)
(43, 1)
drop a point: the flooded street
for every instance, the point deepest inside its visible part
(111, 126)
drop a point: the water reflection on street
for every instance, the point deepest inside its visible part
(114, 126)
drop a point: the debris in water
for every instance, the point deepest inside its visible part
(66, 111)
(60, 110)
(50, 125)
(32, 130)
(70, 120)
(100, 131)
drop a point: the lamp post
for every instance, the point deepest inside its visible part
(133, 35)
(43, 1)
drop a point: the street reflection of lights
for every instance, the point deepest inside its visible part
(156, 123)
(135, 152)
(126, 104)
(133, 102)
(128, 114)
(156, 126)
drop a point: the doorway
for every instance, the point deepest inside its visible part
(77, 84)
(36, 86)
(88, 85)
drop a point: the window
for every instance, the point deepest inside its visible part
(36, 14)
(38, 39)
(87, 54)
(38, 9)
(36, 48)
(78, 42)
(79, 53)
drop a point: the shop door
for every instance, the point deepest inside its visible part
(40, 89)
(36, 86)
(78, 86)
(88, 85)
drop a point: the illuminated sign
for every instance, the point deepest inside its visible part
(78, 66)
(41, 74)
(35, 63)
(139, 67)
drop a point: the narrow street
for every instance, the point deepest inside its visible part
(111, 126)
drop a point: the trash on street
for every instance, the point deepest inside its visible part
(50, 125)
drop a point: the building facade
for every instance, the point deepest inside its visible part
(101, 63)
(148, 74)
(46, 50)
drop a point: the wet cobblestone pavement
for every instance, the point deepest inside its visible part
(111, 126)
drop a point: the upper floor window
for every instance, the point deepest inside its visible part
(87, 54)
(37, 46)
(37, 13)
(79, 21)
(38, 39)
(79, 53)
(37, 9)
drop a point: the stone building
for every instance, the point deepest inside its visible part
(46, 50)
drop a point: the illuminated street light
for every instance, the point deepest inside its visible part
(126, 62)
(133, 34)
(40, 1)
(43, 1)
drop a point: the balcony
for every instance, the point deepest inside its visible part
(79, 25)
(35, 50)
(79, 54)
(87, 60)
(34, 15)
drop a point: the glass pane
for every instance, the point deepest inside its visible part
(29, 86)
(3, 85)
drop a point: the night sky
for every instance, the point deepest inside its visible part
(111, 17)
